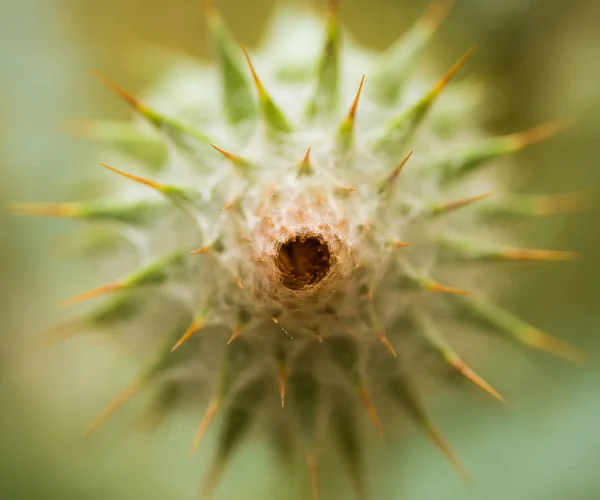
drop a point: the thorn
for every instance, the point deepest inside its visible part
(400, 244)
(155, 118)
(319, 335)
(326, 93)
(272, 115)
(386, 342)
(334, 8)
(347, 127)
(135, 103)
(313, 470)
(539, 133)
(45, 209)
(238, 162)
(404, 125)
(552, 345)
(435, 14)
(346, 190)
(449, 355)
(201, 250)
(209, 415)
(212, 480)
(445, 80)
(305, 167)
(113, 406)
(352, 113)
(441, 443)
(230, 204)
(57, 333)
(78, 127)
(565, 202)
(96, 292)
(192, 329)
(523, 332)
(282, 384)
(434, 286)
(368, 405)
(453, 205)
(272, 191)
(237, 331)
(259, 86)
(208, 7)
(230, 156)
(396, 172)
(461, 367)
(136, 178)
(530, 255)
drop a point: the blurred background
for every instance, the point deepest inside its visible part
(542, 59)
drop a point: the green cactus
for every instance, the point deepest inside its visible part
(294, 230)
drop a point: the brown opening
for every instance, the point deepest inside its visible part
(303, 260)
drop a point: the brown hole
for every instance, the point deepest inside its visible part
(303, 260)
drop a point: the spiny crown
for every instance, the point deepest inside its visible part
(298, 249)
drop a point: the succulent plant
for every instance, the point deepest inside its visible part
(302, 240)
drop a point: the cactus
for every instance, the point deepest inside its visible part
(306, 219)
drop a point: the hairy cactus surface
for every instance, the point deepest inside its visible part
(308, 219)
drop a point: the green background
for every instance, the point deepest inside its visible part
(542, 59)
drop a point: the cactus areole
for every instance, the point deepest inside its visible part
(304, 217)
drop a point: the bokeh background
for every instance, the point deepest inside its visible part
(542, 59)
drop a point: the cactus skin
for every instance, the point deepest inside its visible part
(292, 253)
